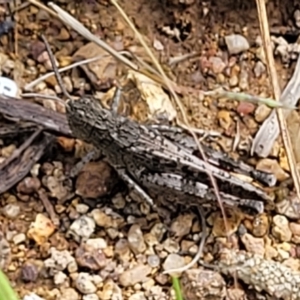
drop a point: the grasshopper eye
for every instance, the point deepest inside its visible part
(80, 112)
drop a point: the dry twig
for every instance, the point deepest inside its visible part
(264, 28)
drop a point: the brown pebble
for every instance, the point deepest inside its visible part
(261, 113)
(66, 143)
(43, 57)
(29, 272)
(162, 279)
(224, 119)
(122, 250)
(29, 185)
(260, 225)
(47, 168)
(63, 35)
(245, 108)
(58, 241)
(96, 179)
(22, 197)
(233, 222)
(297, 251)
(89, 257)
(272, 166)
(37, 47)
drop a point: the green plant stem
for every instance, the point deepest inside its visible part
(6, 291)
(177, 288)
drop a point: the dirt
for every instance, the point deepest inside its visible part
(69, 232)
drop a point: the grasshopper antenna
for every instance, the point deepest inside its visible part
(55, 69)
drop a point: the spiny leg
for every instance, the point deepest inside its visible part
(84, 160)
(219, 159)
(192, 192)
(133, 185)
(168, 131)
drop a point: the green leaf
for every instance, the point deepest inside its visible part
(177, 288)
(6, 291)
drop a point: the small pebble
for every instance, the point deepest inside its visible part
(295, 229)
(224, 119)
(97, 243)
(233, 81)
(281, 229)
(82, 208)
(236, 43)
(113, 233)
(261, 113)
(41, 229)
(182, 225)
(32, 296)
(159, 229)
(107, 290)
(59, 278)
(5, 252)
(59, 260)
(63, 35)
(11, 210)
(19, 238)
(122, 250)
(244, 77)
(102, 219)
(173, 261)
(29, 272)
(259, 69)
(272, 166)
(253, 244)
(297, 18)
(171, 246)
(69, 294)
(186, 245)
(148, 284)
(29, 185)
(42, 15)
(217, 64)
(134, 275)
(245, 108)
(88, 257)
(85, 284)
(283, 255)
(136, 239)
(90, 297)
(153, 261)
(137, 296)
(198, 284)
(8, 151)
(260, 225)
(119, 201)
(82, 228)
(72, 267)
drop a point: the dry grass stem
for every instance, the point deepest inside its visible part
(264, 28)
